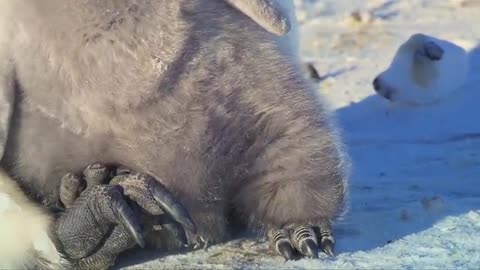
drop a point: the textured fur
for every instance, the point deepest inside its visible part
(209, 104)
(266, 13)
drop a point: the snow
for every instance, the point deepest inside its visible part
(415, 185)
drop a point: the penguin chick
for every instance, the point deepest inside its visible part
(425, 70)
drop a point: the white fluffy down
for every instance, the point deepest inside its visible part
(24, 240)
(409, 82)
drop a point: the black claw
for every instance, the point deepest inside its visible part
(309, 248)
(168, 203)
(128, 218)
(285, 248)
(178, 232)
(327, 246)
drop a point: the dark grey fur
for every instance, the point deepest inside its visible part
(190, 91)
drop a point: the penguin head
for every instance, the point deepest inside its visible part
(424, 70)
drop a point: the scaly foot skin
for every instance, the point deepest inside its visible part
(104, 218)
(302, 241)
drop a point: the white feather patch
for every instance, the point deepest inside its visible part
(23, 230)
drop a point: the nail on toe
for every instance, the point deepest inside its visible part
(309, 248)
(286, 250)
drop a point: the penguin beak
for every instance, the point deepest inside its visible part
(381, 89)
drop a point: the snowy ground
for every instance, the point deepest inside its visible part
(415, 187)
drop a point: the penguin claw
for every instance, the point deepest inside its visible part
(304, 241)
(309, 248)
(286, 250)
(328, 247)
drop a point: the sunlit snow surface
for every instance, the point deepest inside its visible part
(415, 186)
